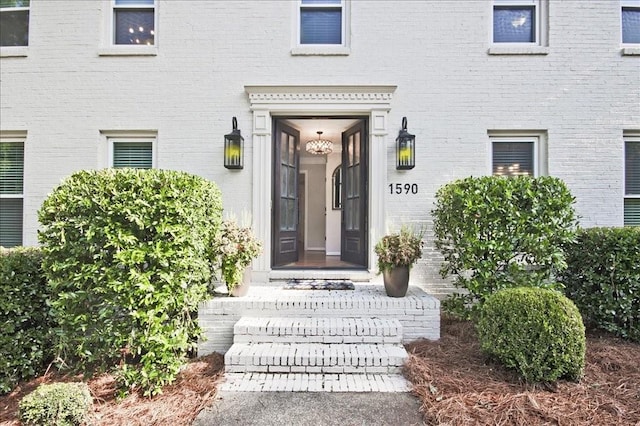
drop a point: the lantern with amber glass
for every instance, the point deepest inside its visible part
(234, 148)
(405, 148)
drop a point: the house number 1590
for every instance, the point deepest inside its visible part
(407, 188)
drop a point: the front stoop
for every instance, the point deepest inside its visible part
(317, 340)
(316, 355)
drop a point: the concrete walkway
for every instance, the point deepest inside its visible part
(312, 409)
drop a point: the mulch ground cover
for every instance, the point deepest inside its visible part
(458, 385)
(178, 405)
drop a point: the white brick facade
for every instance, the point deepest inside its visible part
(582, 92)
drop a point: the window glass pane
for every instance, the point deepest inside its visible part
(10, 222)
(14, 28)
(513, 158)
(137, 155)
(630, 25)
(514, 24)
(134, 26)
(13, 3)
(11, 167)
(632, 212)
(320, 26)
(632, 168)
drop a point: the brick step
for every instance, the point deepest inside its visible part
(303, 382)
(315, 358)
(317, 330)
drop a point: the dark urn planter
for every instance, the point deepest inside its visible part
(396, 281)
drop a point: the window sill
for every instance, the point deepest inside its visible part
(518, 50)
(126, 50)
(13, 51)
(323, 50)
(631, 51)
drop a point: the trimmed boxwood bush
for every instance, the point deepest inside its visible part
(25, 318)
(538, 332)
(56, 404)
(497, 232)
(128, 256)
(603, 279)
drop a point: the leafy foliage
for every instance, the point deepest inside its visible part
(403, 248)
(603, 279)
(128, 255)
(538, 332)
(25, 317)
(56, 404)
(234, 250)
(498, 232)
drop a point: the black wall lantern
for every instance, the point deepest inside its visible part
(405, 148)
(234, 148)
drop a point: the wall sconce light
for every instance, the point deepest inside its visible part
(234, 148)
(405, 148)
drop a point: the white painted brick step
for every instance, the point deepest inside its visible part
(303, 382)
(314, 358)
(317, 330)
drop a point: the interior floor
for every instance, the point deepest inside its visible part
(319, 260)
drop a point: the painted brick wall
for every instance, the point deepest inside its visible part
(583, 94)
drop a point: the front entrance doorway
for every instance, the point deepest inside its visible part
(320, 201)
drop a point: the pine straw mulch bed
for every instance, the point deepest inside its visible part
(458, 385)
(179, 403)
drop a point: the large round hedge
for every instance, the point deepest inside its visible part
(128, 255)
(538, 332)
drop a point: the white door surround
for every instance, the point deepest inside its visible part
(266, 102)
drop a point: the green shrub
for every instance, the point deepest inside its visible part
(498, 232)
(603, 279)
(56, 404)
(128, 256)
(538, 332)
(25, 318)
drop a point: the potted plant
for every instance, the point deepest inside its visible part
(397, 253)
(236, 248)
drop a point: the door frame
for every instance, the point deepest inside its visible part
(267, 102)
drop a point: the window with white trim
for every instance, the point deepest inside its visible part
(519, 21)
(632, 181)
(14, 22)
(514, 156)
(132, 152)
(630, 21)
(11, 191)
(134, 22)
(321, 27)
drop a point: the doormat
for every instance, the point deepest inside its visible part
(319, 285)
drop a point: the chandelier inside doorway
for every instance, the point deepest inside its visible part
(319, 146)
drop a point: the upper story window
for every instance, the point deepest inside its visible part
(14, 22)
(630, 21)
(517, 21)
(11, 190)
(632, 181)
(134, 22)
(322, 27)
(133, 152)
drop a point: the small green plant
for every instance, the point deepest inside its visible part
(603, 279)
(26, 320)
(128, 256)
(235, 248)
(537, 332)
(56, 404)
(497, 232)
(402, 248)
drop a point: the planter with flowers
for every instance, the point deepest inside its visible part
(397, 253)
(236, 248)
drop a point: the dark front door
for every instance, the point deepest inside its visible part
(285, 194)
(354, 195)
